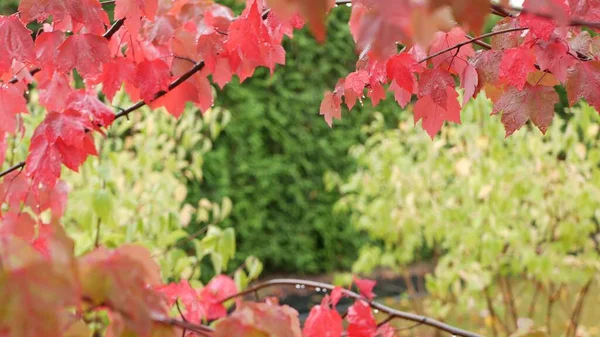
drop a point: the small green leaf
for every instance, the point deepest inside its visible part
(241, 280)
(102, 204)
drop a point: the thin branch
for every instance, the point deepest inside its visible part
(113, 29)
(107, 2)
(473, 40)
(12, 168)
(576, 315)
(196, 68)
(374, 305)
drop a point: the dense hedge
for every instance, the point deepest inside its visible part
(271, 158)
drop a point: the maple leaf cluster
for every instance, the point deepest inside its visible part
(531, 51)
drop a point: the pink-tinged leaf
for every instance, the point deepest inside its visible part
(219, 288)
(152, 77)
(46, 48)
(211, 47)
(386, 330)
(354, 86)
(260, 319)
(507, 40)
(72, 14)
(516, 64)
(541, 28)
(336, 296)
(401, 68)
(535, 103)
(472, 13)
(3, 146)
(314, 11)
(434, 83)
(54, 89)
(487, 64)
(86, 53)
(90, 106)
(193, 310)
(175, 100)
(401, 95)
(12, 103)
(365, 287)
(105, 273)
(438, 101)
(21, 225)
(378, 25)
(116, 72)
(323, 321)
(376, 93)
(54, 198)
(13, 190)
(555, 57)
(36, 290)
(16, 44)
(361, 320)
(60, 138)
(583, 82)
(588, 10)
(331, 107)
(457, 59)
(557, 9)
(468, 81)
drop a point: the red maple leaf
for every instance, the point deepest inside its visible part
(46, 48)
(16, 44)
(438, 100)
(12, 103)
(85, 52)
(114, 73)
(60, 138)
(193, 310)
(455, 60)
(354, 86)
(361, 320)
(323, 321)
(365, 287)
(72, 14)
(89, 105)
(219, 288)
(331, 107)
(401, 68)
(583, 81)
(516, 64)
(151, 77)
(54, 89)
(555, 57)
(519, 106)
(132, 11)
(469, 80)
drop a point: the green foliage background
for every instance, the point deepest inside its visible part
(271, 158)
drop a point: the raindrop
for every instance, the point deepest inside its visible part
(303, 286)
(376, 311)
(297, 286)
(318, 289)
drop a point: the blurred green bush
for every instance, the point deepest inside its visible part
(271, 158)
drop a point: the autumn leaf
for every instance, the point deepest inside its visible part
(46, 48)
(260, 319)
(89, 105)
(60, 138)
(455, 60)
(16, 43)
(535, 103)
(555, 57)
(70, 14)
(151, 77)
(323, 321)
(361, 320)
(85, 52)
(583, 81)
(438, 100)
(105, 273)
(114, 73)
(12, 103)
(471, 13)
(365, 287)
(314, 11)
(331, 107)
(516, 64)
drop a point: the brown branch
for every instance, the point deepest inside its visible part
(492, 312)
(533, 300)
(12, 168)
(576, 315)
(113, 29)
(472, 40)
(374, 305)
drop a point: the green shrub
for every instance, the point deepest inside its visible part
(523, 208)
(271, 158)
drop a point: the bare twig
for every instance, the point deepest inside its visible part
(576, 315)
(374, 305)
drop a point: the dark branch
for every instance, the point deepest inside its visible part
(113, 29)
(375, 305)
(12, 168)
